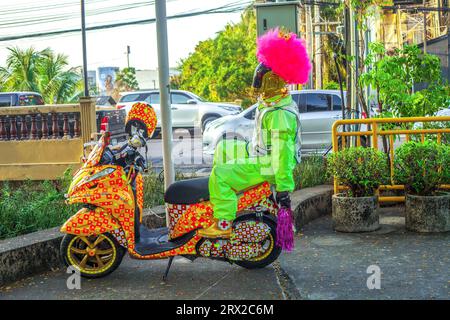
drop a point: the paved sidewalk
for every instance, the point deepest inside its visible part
(331, 265)
(324, 265)
(135, 279)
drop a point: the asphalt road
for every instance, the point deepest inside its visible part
(324, 265)
(187, 151)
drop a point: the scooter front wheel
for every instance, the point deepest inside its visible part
(93, 256)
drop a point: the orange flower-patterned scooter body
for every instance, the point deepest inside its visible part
(109, 222)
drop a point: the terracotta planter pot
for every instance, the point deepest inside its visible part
(428, 213)
(355, 214)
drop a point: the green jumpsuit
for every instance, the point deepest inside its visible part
(235, 170)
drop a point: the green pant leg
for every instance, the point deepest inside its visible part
(227, 179)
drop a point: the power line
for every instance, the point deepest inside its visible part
(18, 22)
(230, 8)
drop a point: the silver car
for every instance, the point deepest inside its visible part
(318, 110)
(188, 109)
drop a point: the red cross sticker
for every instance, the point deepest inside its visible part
(224, 225)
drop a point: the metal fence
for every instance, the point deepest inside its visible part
(374, 133)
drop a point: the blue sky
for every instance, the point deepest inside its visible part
(108, 47)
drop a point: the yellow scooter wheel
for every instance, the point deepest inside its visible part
(271, 250)
(94, 256)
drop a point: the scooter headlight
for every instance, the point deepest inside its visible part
(100, 174)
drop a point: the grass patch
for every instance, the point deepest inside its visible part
(311, 172)
(31, 206)
(154, 187)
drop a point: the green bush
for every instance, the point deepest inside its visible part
(446, 165)
(422, 167)
(36, 205)
(361, 169)
(331, 85)
(310, 172)
(31, 206)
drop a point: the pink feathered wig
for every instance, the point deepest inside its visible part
(285, 54)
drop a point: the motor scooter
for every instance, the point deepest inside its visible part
(109, 187)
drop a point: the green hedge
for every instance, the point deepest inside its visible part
(36, 205)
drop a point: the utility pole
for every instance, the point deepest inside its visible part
(448, 41)
(354, 53)
(309, 40)
(424, 29)
(317, 48)
(83, 39)
(398, 21)
(164, 92)
(128, 56)
(350, 49)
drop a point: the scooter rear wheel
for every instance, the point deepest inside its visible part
(270, 255)
(94, 256)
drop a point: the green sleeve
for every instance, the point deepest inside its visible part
(282, 127)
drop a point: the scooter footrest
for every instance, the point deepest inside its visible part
(157, 241)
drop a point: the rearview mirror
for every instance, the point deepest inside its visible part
(191, 101)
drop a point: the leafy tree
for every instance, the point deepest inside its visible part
(126, 79)
(40, 71)
(222, 68)
(57, 84)
(21, 72)
(394, 75)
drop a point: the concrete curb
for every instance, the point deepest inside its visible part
(37, 252)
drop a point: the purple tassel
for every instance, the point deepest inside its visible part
(285, 230)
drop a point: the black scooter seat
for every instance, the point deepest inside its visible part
(152, 241)
(187, 191)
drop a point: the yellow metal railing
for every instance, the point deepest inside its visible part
(375, 132)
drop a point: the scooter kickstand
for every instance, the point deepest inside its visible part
(167, 269)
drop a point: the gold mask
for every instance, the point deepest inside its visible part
(269, 86)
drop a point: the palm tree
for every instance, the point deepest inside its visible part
(21, 71)
(40, 71)
(56, 84)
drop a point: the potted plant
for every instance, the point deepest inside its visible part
(362, 171)
(422, 167)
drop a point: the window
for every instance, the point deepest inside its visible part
(6, 100)
(301, 103)
(179, 98)
(251, 114)
(198, 98)
(317, 102)
(30, 100)
(135, 97)
(153, 98)
(337, 106)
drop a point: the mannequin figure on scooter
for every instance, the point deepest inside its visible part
(275, 149)
(109, 189)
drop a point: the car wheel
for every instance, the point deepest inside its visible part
(208, 120)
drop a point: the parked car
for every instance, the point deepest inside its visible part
(318, 110)
(188, 109)
(443, 112)
(18, 99)
(106, 115)
(106, 112)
